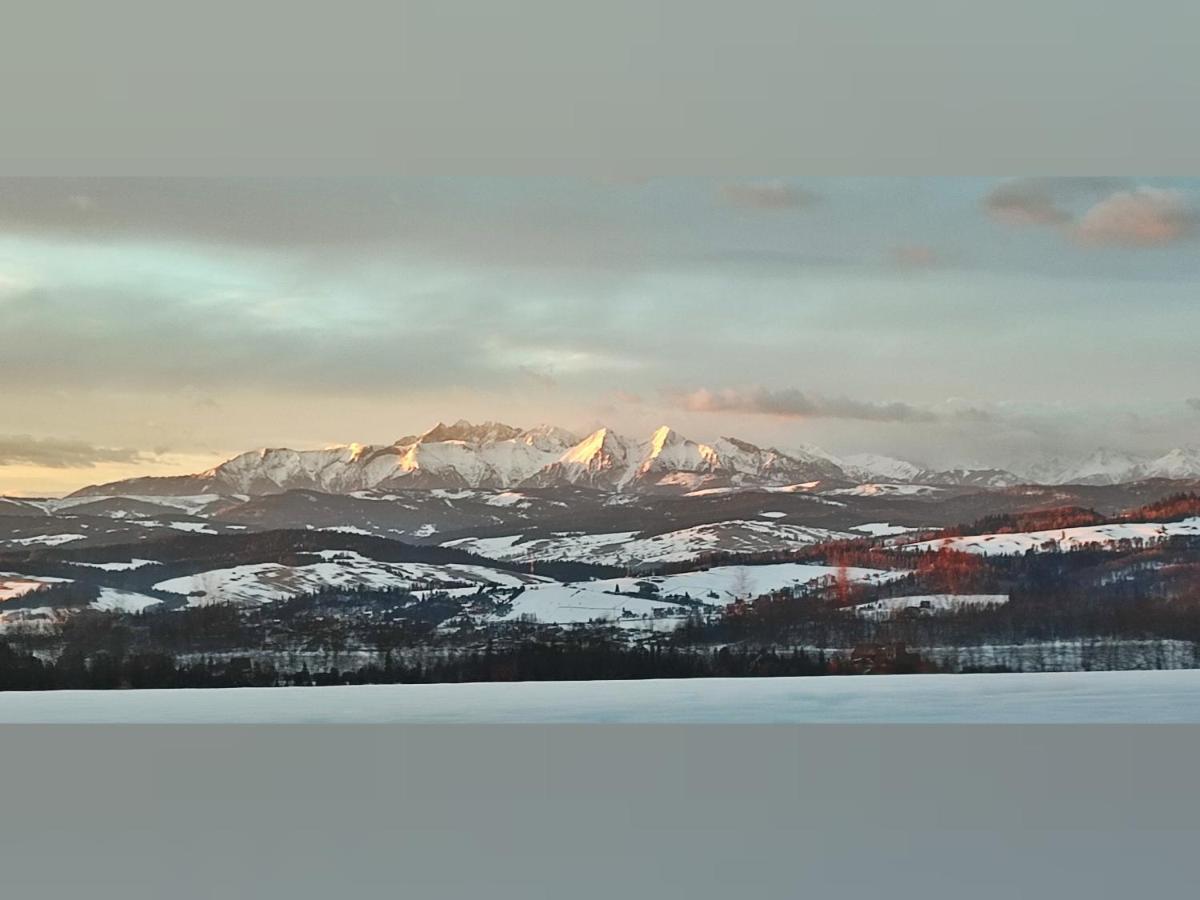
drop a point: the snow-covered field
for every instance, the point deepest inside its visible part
(623, 547)
(113, 600)
(886, 490)
(882, 529)
(614, 598)
(14, 585)
(882, 609)
(45, 540)
(1072, 697)
(1062, 538)
(116, 566)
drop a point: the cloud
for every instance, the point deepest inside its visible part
(1094, 211)
(1043, 201)
(1194, 403)
(58, 454)
(1143, 217)
(795, 404)
(767, 195)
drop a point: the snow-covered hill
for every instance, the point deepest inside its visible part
(1063, 539)
(626, 548)
(267, 582)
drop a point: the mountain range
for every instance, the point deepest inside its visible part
(495, 456)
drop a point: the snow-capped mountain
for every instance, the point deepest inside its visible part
(970, 477)
(1104, 466)
(497, 457)
(1107, 466)
(1178, 463)
(603, 459)
(873, 467)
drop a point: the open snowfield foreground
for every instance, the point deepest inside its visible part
(1054, 698)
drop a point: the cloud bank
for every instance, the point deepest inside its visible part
(1095, 211)
(795, 404)
(1144, 217)
(59, 454)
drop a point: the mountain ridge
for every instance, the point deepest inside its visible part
(496, 456)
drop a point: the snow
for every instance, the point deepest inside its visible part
(191, 503)
(14, 585)
(113, 600)
(886, 490)
(40, 618)
(193, 527)
(507, 498)
(875, 467)
(882, 529)
(494, 547)
(1049, 698)
(47, 540)
(882, 609)
(615, 598)
(802, 487)
(499, 457)
(1108, 466)
(490, 455)
(1061, 538)
(1178, 463)
(117, 566)
(773, 515)
(625, 547)
(267, 582)
(711, 492)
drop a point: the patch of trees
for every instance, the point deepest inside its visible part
(1169, 509)
(584, 659)
(1054, 519)
(1088, 594)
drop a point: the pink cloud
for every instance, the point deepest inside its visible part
(1144, 217)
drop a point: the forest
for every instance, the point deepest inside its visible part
(1127, 605)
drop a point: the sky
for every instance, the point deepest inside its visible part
(158, 326)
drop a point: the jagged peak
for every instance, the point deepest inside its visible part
(551, 432)
(602, 446)
(739, 444)
(462, 430)
(664, 436)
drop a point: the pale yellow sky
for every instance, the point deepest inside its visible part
(44, 481)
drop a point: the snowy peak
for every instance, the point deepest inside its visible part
(875, 467)
(600, 460)
(496, 456)
(1178, 463)
(547, 437)
(273, 469)
(669, 451)
(464, 431)
(1105, 466)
